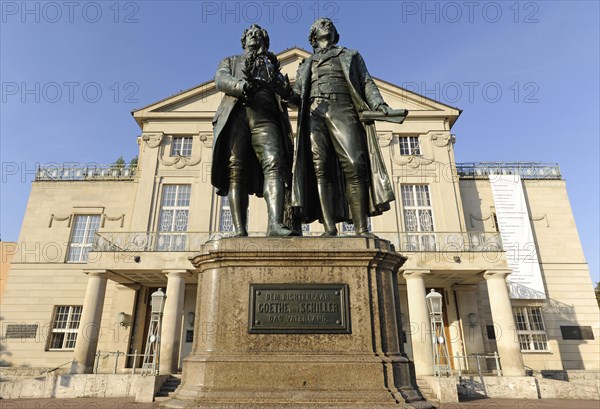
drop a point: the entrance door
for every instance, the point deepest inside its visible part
(143, 318)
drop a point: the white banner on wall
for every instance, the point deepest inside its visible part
(517, 237)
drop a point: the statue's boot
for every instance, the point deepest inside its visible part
(358, 201)
(238, 205)
(274, 196)
(326, 200)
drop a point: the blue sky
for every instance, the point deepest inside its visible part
(525, 73)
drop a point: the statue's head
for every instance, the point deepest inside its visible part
(255, 37)
(319, 28)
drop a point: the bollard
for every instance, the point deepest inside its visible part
(97, 362)
(116, 362)
(134, 362)
(497, 359)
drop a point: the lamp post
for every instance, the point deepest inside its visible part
(152, 354)
(441, 360)
(158, 301)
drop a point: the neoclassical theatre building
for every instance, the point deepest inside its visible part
(497, 240)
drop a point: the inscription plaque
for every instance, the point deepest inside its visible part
(22, 331)
(299, 309)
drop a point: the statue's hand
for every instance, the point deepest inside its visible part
(282, 86)
(241, 89)
(385, 108)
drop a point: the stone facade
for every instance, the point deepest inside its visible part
(135, 254)
(7, 250)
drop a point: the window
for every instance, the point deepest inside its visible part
(181, 146)
(349, 227)
(173, 219)
(82, 237)
(530, 328)
(65, 324)
(418, 217)
(491, 332)
(226, 220)
(226, 223)
(409, 145)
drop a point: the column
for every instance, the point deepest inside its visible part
(170, 334)
(89, 324)
(509, 349)
(419, 322)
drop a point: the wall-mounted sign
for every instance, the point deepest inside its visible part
(576, 332)
(299, 308)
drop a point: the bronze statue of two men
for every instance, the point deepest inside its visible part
(338, 171)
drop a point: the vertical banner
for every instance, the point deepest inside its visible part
(517, 237)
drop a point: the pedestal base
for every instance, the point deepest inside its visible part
(233, 368)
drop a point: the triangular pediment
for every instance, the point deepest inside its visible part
(203, 100)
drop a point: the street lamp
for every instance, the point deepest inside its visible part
(434, 302)
(152, 354)
(158, 301)
(441, 360)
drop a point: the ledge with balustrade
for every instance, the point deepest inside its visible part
(473, 241)
(79, 172)
(466, 170)
(526, 170)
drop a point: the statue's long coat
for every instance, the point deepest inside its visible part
(365, 96)
(229, 72)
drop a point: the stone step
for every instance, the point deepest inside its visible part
(427, 392)
(170, 385)
(424, 386)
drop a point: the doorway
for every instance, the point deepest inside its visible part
(446, 301)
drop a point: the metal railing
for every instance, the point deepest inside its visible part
(116, 354)
(153, 241)
(193, 241)
(478, 358)
(468, 384)
(444, 241)
(81, 172)
(526, 170)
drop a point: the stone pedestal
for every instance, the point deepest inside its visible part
(230, 367)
